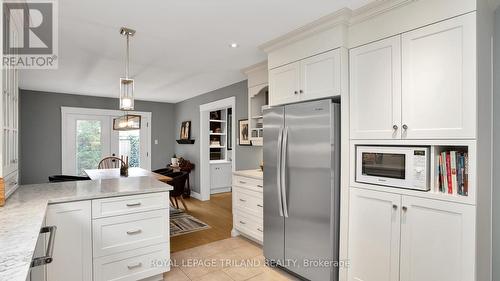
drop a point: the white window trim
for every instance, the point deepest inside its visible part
(65, 110)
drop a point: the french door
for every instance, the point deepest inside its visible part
(88, 136)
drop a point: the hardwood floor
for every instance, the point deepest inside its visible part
(217, 213)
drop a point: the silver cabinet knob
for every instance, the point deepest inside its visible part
(405, 208)
(301, 91)
(395, 127)
(395, 207)
(295, 92)
(405, 127)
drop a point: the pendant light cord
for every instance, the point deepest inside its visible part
(127, 64)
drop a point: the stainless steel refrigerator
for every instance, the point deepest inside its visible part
(302, 188)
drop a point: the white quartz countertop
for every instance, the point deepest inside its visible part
(255, 174)
(23, 214)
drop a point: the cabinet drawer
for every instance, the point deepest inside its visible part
(129, 204)
(123, 233)
(248, 201)
(133, 265)
(251, 183)
(251, 227)
(10, 182)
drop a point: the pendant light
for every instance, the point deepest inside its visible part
(128, 121)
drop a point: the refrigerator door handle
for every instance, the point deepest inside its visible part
(278, 172)
(283, 171)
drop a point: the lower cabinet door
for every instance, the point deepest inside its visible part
(374, 232)
(73, 241)
(437, 240)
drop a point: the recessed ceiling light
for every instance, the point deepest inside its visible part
(234, 45)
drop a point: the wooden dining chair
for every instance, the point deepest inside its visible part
(110, 162)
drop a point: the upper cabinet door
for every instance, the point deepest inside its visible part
(320, 76)
(437, 240)
(284, 84)
(439, 80)
(375, 90)
(374, 225)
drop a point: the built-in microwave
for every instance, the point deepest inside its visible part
(395, 166)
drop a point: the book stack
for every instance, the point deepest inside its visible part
(452, 171)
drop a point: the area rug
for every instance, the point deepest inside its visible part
(182, 223)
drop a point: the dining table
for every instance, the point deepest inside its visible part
(100, 174)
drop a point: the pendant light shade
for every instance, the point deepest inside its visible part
(127, 122)
(126, 94)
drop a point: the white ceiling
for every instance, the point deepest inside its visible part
(180, 49)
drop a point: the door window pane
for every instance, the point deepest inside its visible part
(88, 145)
(130, 146)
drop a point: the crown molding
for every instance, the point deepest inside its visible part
(345, 17)
(340, 17)
(255, 67)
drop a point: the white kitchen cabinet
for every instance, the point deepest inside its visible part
(220, 177)
(375, 90)
(320, 76)
(308, 79)
(429, 225)
(284, 84)
(374, 236)
(73, 241)
(248, 206)
(396, 237)
(439, 80)
(418, 85)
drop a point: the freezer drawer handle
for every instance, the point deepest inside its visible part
(50, 247)
(283, 171)
(132, 266)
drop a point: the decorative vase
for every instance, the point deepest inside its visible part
(174, 162)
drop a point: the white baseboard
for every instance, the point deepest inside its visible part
(196, 195)
(220, 190)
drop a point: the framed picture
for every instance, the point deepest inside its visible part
(186, 130)
(244, 138)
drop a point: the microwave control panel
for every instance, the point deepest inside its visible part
(420, 168)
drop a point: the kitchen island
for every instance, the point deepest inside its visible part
(25, 213)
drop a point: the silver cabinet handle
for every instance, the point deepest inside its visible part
(259, 205)
(278, 172)
(133, 204)
(242, 222)
(243, 182)
(260, 229)
(135, 265)
(283, 171)
(50, 247)
(405, 127)
(134, 231)
(259, 185)
(243, 200)
(395, 127)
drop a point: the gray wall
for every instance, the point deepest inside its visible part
(247, 157)
(40, 131)
(496, 150)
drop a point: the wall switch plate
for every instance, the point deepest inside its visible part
(156, 141)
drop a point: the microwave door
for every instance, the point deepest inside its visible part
(382, 167)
